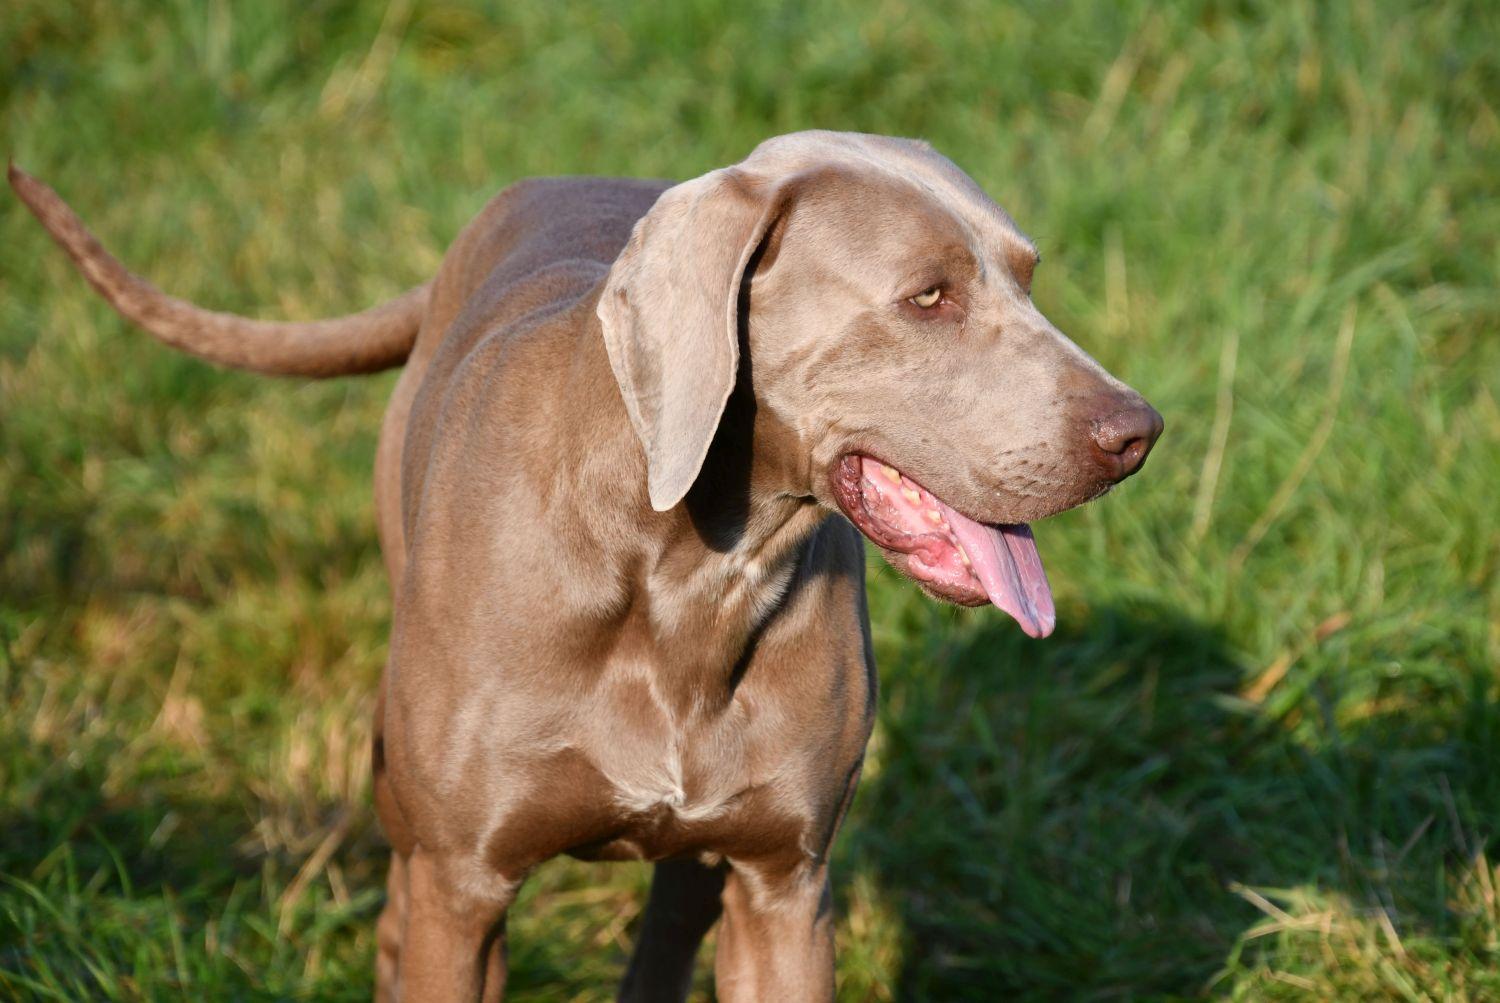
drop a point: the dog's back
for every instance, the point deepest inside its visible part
(540, 243)
(532, 253)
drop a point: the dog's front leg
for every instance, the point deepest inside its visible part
(454, 944)
(776, 936)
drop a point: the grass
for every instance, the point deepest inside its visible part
(1259, 759)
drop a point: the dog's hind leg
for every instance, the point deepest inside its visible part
(684, 903)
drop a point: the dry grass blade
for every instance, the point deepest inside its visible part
(1218, 438)
(311, 868)
(1284, 494)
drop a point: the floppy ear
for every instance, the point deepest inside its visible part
(670, 312)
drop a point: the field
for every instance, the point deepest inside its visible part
(1259, 761)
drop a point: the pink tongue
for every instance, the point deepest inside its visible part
(1009, 568)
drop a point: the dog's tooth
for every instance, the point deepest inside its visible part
(934, 516)
(892, 474)
(910, 494)
(964, 557)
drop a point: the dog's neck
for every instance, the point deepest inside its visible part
(702, 580)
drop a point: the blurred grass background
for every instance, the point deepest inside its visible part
(1259, 761)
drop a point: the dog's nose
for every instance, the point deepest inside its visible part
(1125, 437)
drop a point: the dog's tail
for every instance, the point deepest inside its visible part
(367, 342)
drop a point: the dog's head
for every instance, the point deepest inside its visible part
(885, 301)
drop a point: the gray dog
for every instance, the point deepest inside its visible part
(629, 620)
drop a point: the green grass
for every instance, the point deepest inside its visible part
(1261, 759)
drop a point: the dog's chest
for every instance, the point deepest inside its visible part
(717, 783)
(666, 814)
(657, 759)
(731, 733)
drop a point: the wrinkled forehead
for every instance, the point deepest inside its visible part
(901, 189)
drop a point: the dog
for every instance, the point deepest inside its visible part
(621, 488)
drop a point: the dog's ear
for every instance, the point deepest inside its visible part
(670, 312)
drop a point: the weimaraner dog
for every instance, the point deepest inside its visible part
(621, 486)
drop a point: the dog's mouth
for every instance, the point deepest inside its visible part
(952, 556)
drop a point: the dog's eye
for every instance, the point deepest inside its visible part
(928, 298)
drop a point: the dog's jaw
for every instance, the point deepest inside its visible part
(951, 555)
